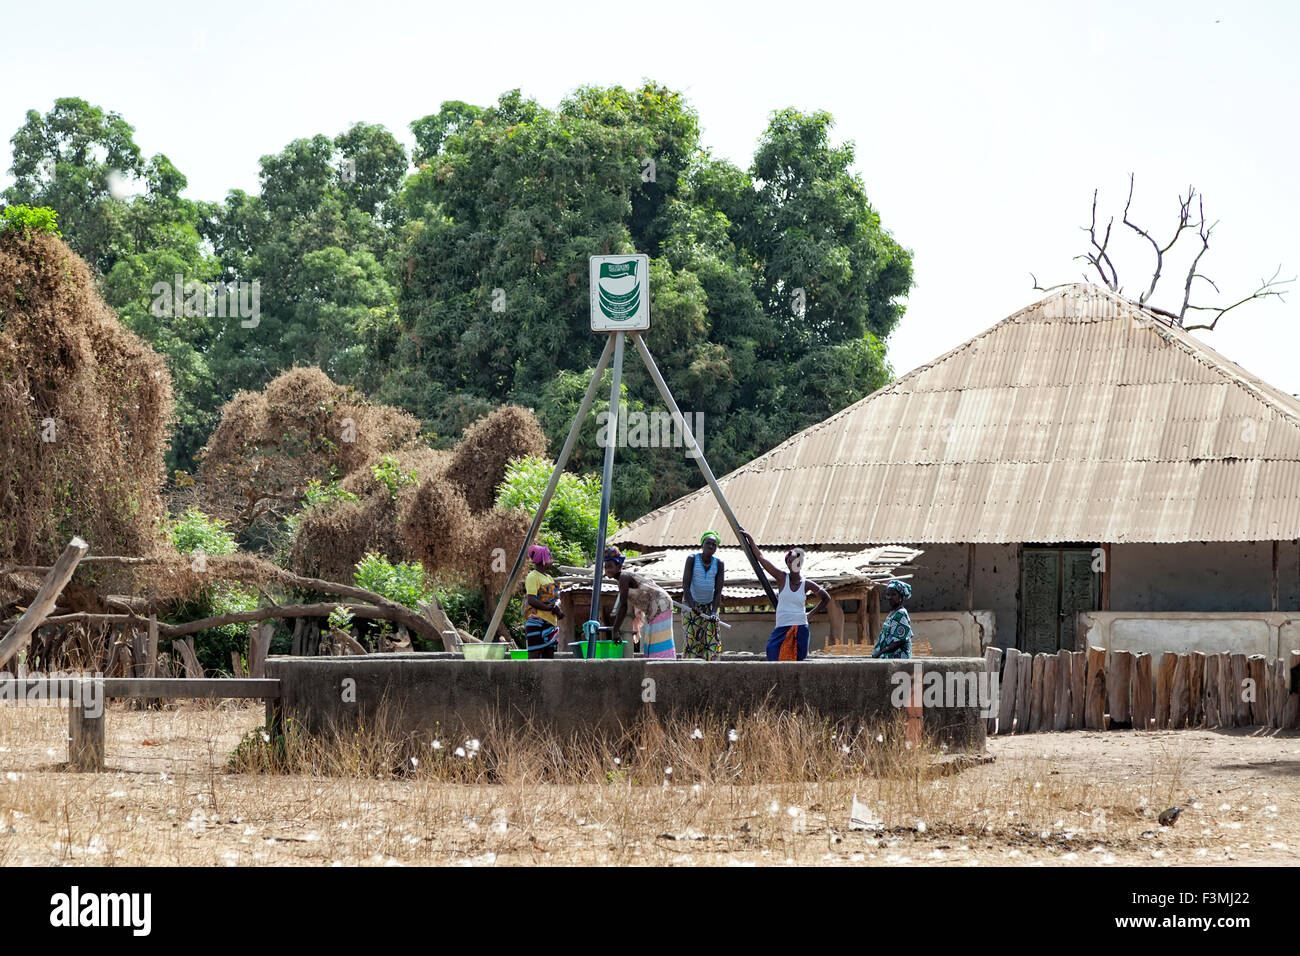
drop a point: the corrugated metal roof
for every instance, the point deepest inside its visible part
(1081, 418)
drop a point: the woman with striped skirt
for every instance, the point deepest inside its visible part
(641, 594)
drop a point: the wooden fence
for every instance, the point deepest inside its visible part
(1098, 689)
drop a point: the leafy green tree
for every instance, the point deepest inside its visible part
(79, 161)
(773, 289)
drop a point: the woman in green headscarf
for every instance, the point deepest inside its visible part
(702, 594)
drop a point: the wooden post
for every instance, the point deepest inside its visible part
(1275, 550)
(259, 644)
(1273, 667)
(1078, 689)
(85, 737)
(567, 622)
(1042, 694)
(1119, 682)
(1105, 577)
(834, 621)
(970, 576)
(1240, 674)
(1024, 685)
(1195, 689)
(993, 667)
(1291, 714)
(1164, 687)
(1095, 692)
(185, 648)
(1064, 685)
(1282, 685)
(1007, 695)
(139, 653)
(1178, 692)
(1211, 694)
(1258, 674)
(1143, 693)
(874, 601)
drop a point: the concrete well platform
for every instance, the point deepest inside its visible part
(438, 696)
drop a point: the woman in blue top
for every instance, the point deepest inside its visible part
(895, 638)
(702, 593)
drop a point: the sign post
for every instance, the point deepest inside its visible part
(620, 302)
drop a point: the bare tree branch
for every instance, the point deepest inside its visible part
(1269, 287)
(1184, 222)
(1059, 285)
(1101, 258)
(1098, 257)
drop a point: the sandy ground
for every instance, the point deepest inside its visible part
(1081, 798)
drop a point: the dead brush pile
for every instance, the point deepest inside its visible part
(301, 427)
(84, 412)
(430, 506)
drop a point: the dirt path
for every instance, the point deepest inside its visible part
(1080, 798)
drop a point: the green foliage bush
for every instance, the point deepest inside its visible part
(572, 521)
(389, 474)
(405, 583)
(193, 533)
(29, 219)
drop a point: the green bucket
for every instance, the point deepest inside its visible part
(605, 650)
(517, 654)
(484, 652)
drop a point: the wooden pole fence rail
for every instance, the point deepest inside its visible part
(1101, 690)
(86, 697)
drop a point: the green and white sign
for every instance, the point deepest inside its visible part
(620, 293)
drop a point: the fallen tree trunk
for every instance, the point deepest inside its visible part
(46, 598)
(242, 617)
(230, 571)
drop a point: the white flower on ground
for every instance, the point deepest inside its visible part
(697, 734)
(733, 735)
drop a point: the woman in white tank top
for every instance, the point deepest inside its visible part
(789, 640)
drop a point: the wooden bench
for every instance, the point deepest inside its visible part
(86, 733)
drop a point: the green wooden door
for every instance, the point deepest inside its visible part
(1080, 591)
(1055, 585)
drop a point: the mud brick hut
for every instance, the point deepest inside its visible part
(1083, 471)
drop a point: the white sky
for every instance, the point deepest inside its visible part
(981, 129)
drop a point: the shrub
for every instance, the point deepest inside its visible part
(29, 219)
(572, 520)
(404, 583)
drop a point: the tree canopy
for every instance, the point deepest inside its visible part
(454, 281)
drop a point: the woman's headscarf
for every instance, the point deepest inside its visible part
(794, 558)
(613, 554)
(539, 554)
(902, 587)
(710, 534)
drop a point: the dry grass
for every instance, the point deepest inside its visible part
(170, 798)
